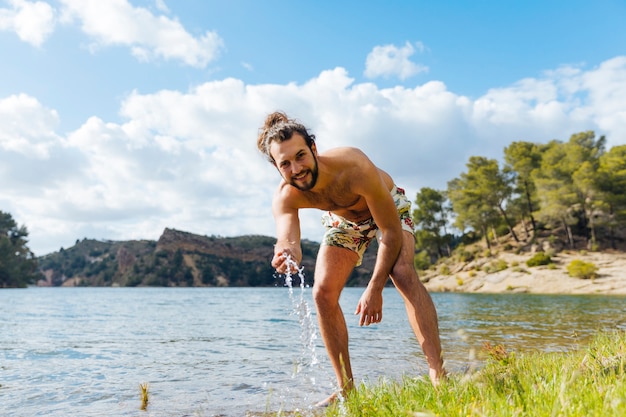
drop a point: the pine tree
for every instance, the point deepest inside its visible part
(18, 266)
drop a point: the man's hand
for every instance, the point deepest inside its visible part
(284, 261)
(370, 307)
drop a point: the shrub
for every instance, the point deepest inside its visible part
(540, 258)
(582, 269)
(496, 266)
(444, 270)
(465, 256)
(422, 261)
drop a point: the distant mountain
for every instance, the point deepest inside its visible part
(178, 259)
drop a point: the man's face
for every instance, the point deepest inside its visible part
(296, 162)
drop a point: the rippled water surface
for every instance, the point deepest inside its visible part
(232, 351)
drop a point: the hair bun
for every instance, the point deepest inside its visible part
(274, 119)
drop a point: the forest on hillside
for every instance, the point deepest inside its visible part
(574, 190)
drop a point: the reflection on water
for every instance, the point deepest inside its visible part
(226, 351)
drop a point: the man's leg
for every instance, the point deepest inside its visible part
(419, 307)
(332, 269)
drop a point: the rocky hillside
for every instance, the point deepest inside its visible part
(177, 259)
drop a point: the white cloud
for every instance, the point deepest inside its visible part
(390, 60)
(149, 37)
(160, 5)
(26, 127)
(33, 22)
(188, 159)
(606, 87)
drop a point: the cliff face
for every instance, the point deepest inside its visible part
(178, 258)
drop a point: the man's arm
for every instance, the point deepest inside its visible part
(287, 230)
(385, 215)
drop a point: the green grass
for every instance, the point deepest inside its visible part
(587, 382)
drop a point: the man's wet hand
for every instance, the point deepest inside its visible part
(283, 261)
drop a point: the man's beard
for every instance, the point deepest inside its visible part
(307, 186)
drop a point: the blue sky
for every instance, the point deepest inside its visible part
(119, 118)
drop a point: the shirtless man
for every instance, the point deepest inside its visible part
(360, 202)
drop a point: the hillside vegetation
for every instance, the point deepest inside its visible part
(177, 259)
(568, 194)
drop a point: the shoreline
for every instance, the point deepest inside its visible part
(519, 278)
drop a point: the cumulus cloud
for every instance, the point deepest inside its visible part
(33, 22)
(27, 127)
(149, 37)
(390, 60)
(188, 159)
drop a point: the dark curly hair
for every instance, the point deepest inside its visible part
(278, 127)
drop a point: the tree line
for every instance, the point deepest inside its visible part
(577, 187)
(18, 265)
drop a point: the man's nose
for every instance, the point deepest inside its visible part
(296, 167)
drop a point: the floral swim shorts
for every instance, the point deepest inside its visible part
(357, 236)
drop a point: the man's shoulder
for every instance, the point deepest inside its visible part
(344, 151)
(345, 158)
(287, 196)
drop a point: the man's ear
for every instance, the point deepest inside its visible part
(314, 149)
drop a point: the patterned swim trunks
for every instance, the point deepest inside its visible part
(357, 236)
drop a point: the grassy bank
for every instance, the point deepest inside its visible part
(588, 382)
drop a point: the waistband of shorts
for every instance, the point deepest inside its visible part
(398, 190)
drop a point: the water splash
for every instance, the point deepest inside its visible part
(307, 365)
(308, 334)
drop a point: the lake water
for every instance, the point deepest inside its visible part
(243, 351)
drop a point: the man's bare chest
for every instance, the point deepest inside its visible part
(349, 205)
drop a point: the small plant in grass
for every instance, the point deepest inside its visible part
(143, 388)
(498, 353)
(459, 281)
(444, 270)
(540, 258)
(582, 269)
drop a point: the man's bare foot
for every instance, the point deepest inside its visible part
(436, 377)
(328, 401)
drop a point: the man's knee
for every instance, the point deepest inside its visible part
(325, 296)
(403, 271)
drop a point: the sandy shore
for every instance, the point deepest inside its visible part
(469, 277)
